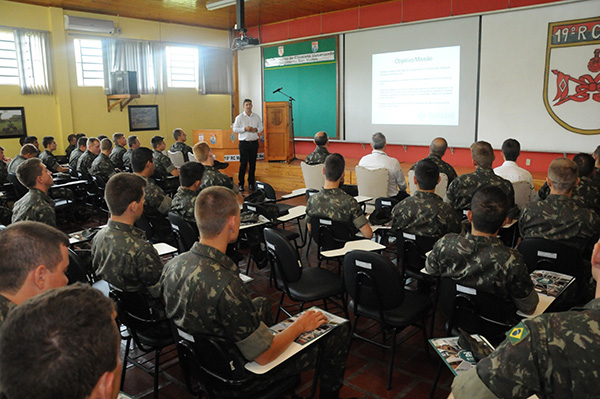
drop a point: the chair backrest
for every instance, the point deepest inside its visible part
(283, 257)
(523, 192)
(440, 188)
(541, 254)
(373, 281)
(386, 202)
(176, 158)
(133, 309)
(190, 157)
(412, 249)
(188, 234)
(270, 211)
(80, 271)
(372, 182)
(329, 234)
(268, 189)
(313, 175)
(20, 189)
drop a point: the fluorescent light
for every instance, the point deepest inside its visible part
(215, 5)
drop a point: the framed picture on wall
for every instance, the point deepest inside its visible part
(12, 122)
(143, 117)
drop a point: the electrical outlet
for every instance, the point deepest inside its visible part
(528, 162)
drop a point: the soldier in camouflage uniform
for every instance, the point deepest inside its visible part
(480, 260)
(190, 177)
(76, 154)
(425, 213)
(28, 151)
(36, 205)
(133, 142)
(40, 267)
(203, 294)
(102, 166)
(3, 167)
(179, 145)
(121, 254)
(437, 149)
(559, 217)
(48, 159)
(463, 187)
(72, 140)
(84, 163)
(333, 203)
(212, 177)
(116, 155)
(321, 152)
(555, 355)
(163, 167)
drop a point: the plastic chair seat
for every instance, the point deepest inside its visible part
(316, 283)
(411, 311)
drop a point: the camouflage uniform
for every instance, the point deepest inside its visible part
(317, 156)
(484, 263)
(586, 192)
(182, 147)
(443, 166)
(35, 205)
(203, 294)
(50, 161)
(213, 177)
(15, 163)
(425, 214)
(5, 307)
(183, 204)
(116, 156)
(335, 204)
(557, 356)
(84, 163)
(462, 189)
(102, 167)
(560, 218)
(162, 165)
(127, 160)
(73, 158)
(156, 208)
(3, 172)
(122, 256)
(70, 148)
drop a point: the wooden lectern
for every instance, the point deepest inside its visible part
(279, 131)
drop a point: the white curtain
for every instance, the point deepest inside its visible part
(143, 57)
(216, 71)
(34, 61)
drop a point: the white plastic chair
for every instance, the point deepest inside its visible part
(176, 158)
(313, 175)
(372, 183)
(524, 192)
(440, 188)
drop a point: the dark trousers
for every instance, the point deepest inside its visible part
(248, 153)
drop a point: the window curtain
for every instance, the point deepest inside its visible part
(34, 61)
(216, 71)
(142, 57)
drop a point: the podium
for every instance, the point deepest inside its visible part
(279, 131)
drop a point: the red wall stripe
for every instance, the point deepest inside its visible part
(380, 14)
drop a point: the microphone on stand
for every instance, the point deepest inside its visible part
(275, 91)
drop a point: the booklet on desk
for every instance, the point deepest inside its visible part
(302, 341)
(548, 285)
(456, 358)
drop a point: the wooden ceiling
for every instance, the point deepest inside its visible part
(194, 12)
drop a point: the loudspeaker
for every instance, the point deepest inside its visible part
(124, 82)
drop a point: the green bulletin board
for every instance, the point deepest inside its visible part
(307, 71)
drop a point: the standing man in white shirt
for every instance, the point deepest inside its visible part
(248, 126)
(511, 149)
(379, 159)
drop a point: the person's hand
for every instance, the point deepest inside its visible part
(248, 128)
(310, 320)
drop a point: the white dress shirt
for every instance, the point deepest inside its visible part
(243, 120)
(379, 159)
(514, 173)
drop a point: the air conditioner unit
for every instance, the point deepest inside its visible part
(89, 24)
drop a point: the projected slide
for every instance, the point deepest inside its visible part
(416, 87)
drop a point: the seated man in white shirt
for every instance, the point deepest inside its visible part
(379, 159)
(511, 149)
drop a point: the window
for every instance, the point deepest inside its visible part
(182, 66)
(88, 60)
(9, 70)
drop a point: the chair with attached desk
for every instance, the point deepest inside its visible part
(80, 270)
(328, 235)
(524, 193)
(187, 234)
(372, 183)
(176, 158)
(313, 175)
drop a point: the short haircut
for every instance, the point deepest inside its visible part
(483, 154)
(334, 166)
(511, 149)
(247, 100)
(427, 174)
(139, 158)
(121, 190)
(23, 247)
(563, 174)
(177, 132)
(155, 141)
(489, 207)
(80, 135)
(47, 140)
(102, 137)
(214, 206)
(82, 142)
(190, 172)
(321, 138)
(29, 171)
(106, 144)
(28, 149)
(378, 141)
(30, 139)
(438, 146)
(71, 137)
(58, 344)
(117, 136)
(90, 141)
(131, 141)
(585, 164)
(201, 151)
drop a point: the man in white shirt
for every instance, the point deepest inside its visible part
(511, 149)
(248, 126)
(379, 159)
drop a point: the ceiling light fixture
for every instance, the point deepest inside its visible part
(215, 5)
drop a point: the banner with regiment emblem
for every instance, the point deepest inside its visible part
(572, 74)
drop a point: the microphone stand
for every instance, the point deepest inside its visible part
(290, 99)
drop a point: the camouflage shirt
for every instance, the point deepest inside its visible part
(73, 158)
(183, 147)
(556, 356)
(443, 166)
(102, 167)
(183, 204)
(37, 206)
(425, 214)
(586, 192)
(156, 208)
(3, 172)
(462, 189)
(335, 204)
(122, 256)
(14, 164)
(127, 160)
(484, 263)
(84, 163)
(213, 177)
(317, 156)
(116, 156)
(5, 307)
(162, 165)
(560, 218)
(50, 161)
